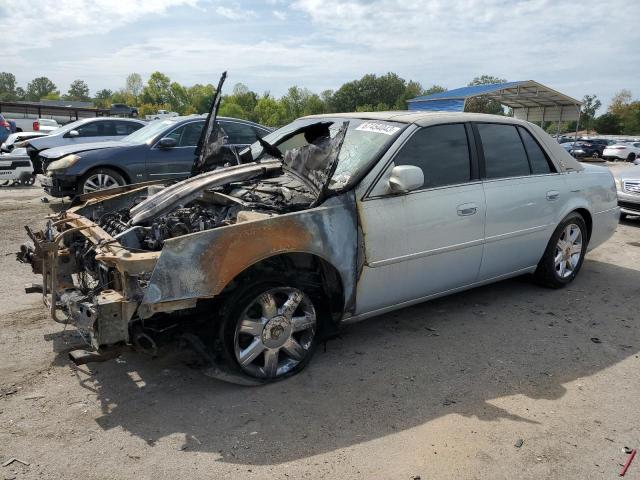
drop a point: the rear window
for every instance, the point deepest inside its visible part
(540, 163)
(504, 153)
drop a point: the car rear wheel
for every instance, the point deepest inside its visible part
(101, 179)
(270, 329)
(564, 254)
(631, 157)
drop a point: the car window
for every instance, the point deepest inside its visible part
(126, 128)
(190, 134)
(504, 154)
(539, 161)
(239, 133)
(176, 134)
(92, 129)
(442, 152)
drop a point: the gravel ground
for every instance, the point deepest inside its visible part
(446, 389)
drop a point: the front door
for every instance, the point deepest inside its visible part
(430, 240)
(175, 162)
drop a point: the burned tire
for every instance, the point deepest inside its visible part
(564, 254)
(269, 330)
(100, 179)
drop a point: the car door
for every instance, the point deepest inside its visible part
(523, 194)
(430, 240)
(175, 162)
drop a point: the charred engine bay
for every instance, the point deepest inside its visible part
(215, 207)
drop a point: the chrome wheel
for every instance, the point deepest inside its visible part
(275, 332)
(99, 181)
(568, 251)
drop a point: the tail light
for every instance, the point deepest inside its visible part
(36, 126)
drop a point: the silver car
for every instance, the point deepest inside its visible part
(628, 186)
(330, 219)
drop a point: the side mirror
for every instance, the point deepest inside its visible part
(167, 143)
(73, 133)
(405, 178)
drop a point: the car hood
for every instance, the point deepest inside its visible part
(59, 152)
(628, 173)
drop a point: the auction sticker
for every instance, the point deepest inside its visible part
(376, 127)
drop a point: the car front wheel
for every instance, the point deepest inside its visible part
(564, 254)
(101, 179)
(270, 330)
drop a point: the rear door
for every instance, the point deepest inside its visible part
(523, 194)
(427, 241)
(239, 135)
(175, 162)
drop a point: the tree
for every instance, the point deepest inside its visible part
(482, 104)
(78, 90)
(7, 86)
(20, 93)
(133, 84)
(158, 89)
(103, 98)
(39, 88)
(590, 104)
(200, 97)
(608, 124)
(620, 102)
(270, 111)
(434, 89)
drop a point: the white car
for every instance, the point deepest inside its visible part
(44, 125)
(14, 140)
(161, 114)
(16, 168)
(622, 151)
(87, 130)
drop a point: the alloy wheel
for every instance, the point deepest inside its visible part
(568, 250)
(99, 181)
(275, 332)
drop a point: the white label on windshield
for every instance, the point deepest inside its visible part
(377, 128)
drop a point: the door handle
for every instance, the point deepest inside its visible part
(467, 209)
(553, 195)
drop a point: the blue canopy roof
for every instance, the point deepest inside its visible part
(523, 96)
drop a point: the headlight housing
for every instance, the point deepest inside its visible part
(64, 162)
(618, 183)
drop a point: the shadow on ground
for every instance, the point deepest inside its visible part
(385, 375)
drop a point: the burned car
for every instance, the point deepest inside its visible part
(328, 220)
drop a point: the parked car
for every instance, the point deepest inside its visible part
(622, 151)
(161, 114)
(16, 168)
(628, 187)
(87, 130)
(586, 148)
(5, 129)
(44, 125)
(164, 149)
(331, 219)
(14, 140)
(123, 109)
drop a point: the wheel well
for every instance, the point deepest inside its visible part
(587, 219)
(109, 167)
(318, 275)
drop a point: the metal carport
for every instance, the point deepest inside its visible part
(529, 100)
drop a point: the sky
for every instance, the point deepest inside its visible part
(578, 48)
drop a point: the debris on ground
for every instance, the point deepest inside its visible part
(44, 200)
(12, 460)
(596, 340)
(519, 443)
(628, 462)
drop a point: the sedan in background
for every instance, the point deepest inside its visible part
(586, 148)
(628, 187)
(622, 151)
(101, 129)
(163, 150)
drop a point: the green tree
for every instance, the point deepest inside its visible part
(483, 104)
(270, 111)
(200, 97)
(620, 102)
(39, 88)
(20, 93)
(103, 98)
(608, 124)
(8, 86)
(133, 84)
(78, 90)
(590, 104)
(158, 89)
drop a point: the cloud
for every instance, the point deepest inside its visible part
(234, 13)
(280, 15)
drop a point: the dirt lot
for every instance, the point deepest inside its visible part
(441, 390)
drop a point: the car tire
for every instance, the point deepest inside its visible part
(595, 154)
(631, 157)
(100, 179)
(260, 341)
(561, 261)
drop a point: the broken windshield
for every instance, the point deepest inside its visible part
(364, 142)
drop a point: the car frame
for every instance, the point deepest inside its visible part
(365, 233)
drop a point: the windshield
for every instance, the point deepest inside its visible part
(364, 142)
(148, 132)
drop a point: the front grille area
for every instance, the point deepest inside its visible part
(629, 206)
(632, 186)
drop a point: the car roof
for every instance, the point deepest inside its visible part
(422, 118)
(204, 117)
